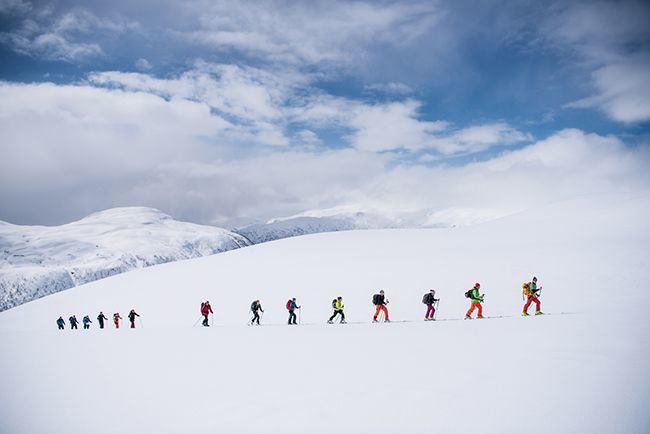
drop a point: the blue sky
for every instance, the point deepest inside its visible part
(229, 112)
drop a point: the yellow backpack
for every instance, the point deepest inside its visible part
(526, 289)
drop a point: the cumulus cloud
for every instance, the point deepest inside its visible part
(612, 40)
(99, 147)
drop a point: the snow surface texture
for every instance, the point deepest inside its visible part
(37, 261)
(580, 372)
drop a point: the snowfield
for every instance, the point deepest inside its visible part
(581, 369)
(37, 261)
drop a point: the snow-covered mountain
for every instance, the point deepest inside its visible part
(334, 220)
(37, 260)
(579, 369)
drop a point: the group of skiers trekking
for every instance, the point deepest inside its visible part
(530, 293)
(100, 319)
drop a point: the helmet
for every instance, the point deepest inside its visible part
(534, 279)
(340, 298)
(478, 285)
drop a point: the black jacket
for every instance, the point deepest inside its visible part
(378, 299)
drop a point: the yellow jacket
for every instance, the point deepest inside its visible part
(338, 305)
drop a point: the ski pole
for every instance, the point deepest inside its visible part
(212, 319)
(197, 321)
(435, 312)
(300, 315)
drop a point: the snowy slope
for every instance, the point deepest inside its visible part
(582, 371)
(36, 261)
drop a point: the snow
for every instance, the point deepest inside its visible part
(38, 260)
(580, 369)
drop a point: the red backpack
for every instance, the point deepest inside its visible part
(289, 305)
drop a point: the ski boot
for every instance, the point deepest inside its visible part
(524, 314)
(539, 313)
(330, 322)
(374, 320)
(468, 317)
(343, 322)
(480, 317)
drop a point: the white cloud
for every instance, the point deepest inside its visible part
(623, 90)
(392, 88)
(176, 154)
(47, 35)
(143, 64)
(308, 33)
(611, 40)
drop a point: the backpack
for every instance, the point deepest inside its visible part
(334, 303)
(289, 305)
(526, 289)
(425, 299)
(253, 306)
(375, 299)
(468, 294)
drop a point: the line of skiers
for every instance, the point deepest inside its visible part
(530, 293)
(100, 319)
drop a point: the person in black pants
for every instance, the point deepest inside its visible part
(291, 307)
(61, 323)
(73, 322)
(256, 307)
(337, 305)
(101, 318)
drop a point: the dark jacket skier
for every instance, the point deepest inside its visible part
(132, 316)
(73, 322)
(256, 307)
(60, 323)
(337, 305)
(101, 318)
(86, 322)
(380, 301)
(430, 299)
(291, 307)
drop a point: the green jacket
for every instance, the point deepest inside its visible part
(338, 305)
(533, 287)
(476, 297)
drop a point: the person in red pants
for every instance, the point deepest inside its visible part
(530, 292)
(380, 301)
(116, 320)
(477, 299)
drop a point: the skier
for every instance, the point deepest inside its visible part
(132, 316)
(530, 292)
(380, 301)
(477, 299)
(116, 320)
(255, 308)
(430, 299)
(73, 322)
(337, 305)
(86, 322)
(61, 323)
(206, 310)
(291, 307)
(101, 318)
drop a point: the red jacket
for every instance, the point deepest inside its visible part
(206, 308)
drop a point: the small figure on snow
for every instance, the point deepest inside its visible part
(530, 291)
(116, 320)
(380, 301)
(86, 322)
(101, 318)
(291, 307)
(256, 307)
(73, 322)
(132, 316)
(430, 299)
(477, 299)
(60, 323)
(206, 310)
(337, 305)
